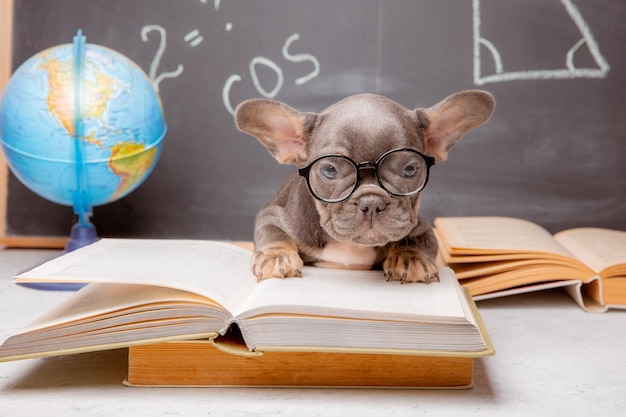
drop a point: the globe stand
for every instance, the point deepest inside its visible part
(83, 232)
(80, 236)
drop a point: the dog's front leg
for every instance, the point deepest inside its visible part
(412, 259)
(276, 254)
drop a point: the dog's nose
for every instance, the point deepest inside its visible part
(372, 204)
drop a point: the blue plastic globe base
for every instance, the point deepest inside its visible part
(81, 235)
(57, 286)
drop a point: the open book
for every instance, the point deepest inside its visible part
(148, 291)
(495, 256)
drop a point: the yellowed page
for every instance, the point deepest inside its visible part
(523, 276)
(102, 316)
(482, 234)
(482, 269)
(598, 248)
(98, 301)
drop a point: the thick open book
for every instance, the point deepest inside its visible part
(495, 256)
(149, 291)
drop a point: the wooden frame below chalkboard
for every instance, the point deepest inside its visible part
(6, 37)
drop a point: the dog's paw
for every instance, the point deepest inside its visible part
(277, 262)
(409, 265)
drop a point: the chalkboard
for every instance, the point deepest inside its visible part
(554, 151)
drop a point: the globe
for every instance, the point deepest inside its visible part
(81, 125)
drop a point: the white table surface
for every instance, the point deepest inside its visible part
(552, 359)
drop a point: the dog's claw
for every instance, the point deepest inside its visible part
(408, 265)
(276, 263)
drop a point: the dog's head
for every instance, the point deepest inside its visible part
(366, 158)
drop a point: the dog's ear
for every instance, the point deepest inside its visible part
(447, 121)
(280, 128)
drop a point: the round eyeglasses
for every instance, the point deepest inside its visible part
(400, 172)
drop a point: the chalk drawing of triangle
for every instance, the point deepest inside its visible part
(569, 70)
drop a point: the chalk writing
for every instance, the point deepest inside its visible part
(273, 66)
(484, 49)
(193, 38)
(568, 72)
(255, 79)
(301, 58)
(156, 61)
(216, 6)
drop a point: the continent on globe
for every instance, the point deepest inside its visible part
(130, 162)
(96, 95)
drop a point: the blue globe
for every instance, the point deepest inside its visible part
(81, 131)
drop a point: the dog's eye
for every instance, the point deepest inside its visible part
(410, 171)
(329, 171)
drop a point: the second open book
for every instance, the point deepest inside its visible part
(496, 256)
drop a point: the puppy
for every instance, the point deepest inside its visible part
(354, 202)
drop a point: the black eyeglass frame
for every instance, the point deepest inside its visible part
(304, 172)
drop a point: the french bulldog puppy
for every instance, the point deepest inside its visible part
(354, 202)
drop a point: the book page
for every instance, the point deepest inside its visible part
(98, 301)
(497, 234)
(482, 269)
(216, 270)
(598, 248)
(359, 294)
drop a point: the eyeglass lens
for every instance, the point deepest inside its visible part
(401, 173)
(333, 178)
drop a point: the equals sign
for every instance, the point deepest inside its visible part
(193, 38)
